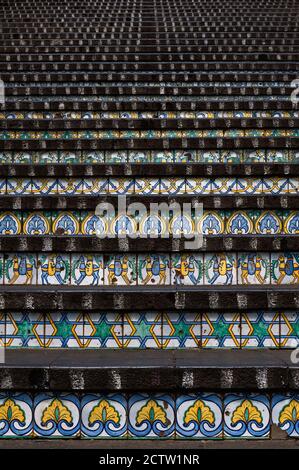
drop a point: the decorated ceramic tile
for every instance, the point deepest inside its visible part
(198, 185)
(187, 269)
(10, 223)
(199, 416)
(181, 224)
(147, 186)
(153, 269)
(269, 222)
(246, 416)
(87, 270)
(103, 330)
(104, 416)
(285, 268)
(70, 157)
(53, 269)
(277, 156)
(254, 268)
(92, 224)
(17, 186)
(285, 412)
(289, 329)
(20, 268)
(24, 330)
(121, 186)
(293, 185)
(231, 156)
(185, 156)
(37, 223)
(95, 186)
(291, 222)
(139, 157)
(120, 269)
(221, 330)
(2, 334)
(260, 330)
(212, 156)
(248, 186)
(116, 157)
(172, 186)
(212, 223)
(56, 415)
(153, 225)
(240, 222)
(223, 186)
(151, 416)
(70, 186)
(163, 157)
(254, 156)
(275, 186)
(220, 268)
(21, 157)
(16, 415)
(181, 330)
(64, 330)
(44, 158)
(66, 223)
(93, 157)
(142, 330)
(44, 186)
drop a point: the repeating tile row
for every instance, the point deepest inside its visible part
(201, 415)
(243, 222)
(149, 269)
(148, 156)
(150, 330)
(150, 186)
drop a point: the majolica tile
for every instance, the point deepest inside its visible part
(25, 330)
(17, 186)
(181, 330)
(223, 186)
(153, 225)
(53, 269)
(172, 186)
(142, 330)
(212, 156)
(92, 224)
(181, 224)
(95, 186)
(11, 223)
(163, 157)
(103, 330)
(2, 186)
(22, 157)
(220, 268)
(93, 157)
(153, 269)
(249, 186)
(2, 335)
(147, 186)
(254, 268)
(64, 330)
(185, 156)
(260, 330)
(246, 416)
(151, 416)
(187, 269)
(198, 185)
(293, 185)
(70, 157)
(240, 222)
(120, 269)
(254, 156)
(20, 268)
(37, 223)
(44, 186)
(139, 157)
(269, 222)
(277, 156)
(70, 186)
(44, 158)
(230, 156)
(285, 412)
(212, 223)
(199, 416)
(285, 268)
(221, 330)
(121, 186)
(274, 186)
(116, 157)
(104, 416)
(289, 329)
(87, 270)
(66, 223)
(56, 415)
(291, 222)
(16, 413)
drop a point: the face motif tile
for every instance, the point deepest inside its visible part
(11, 223)
(95, 186)
(20, 268)
(25, 330)
(120, 270)
(269, 222)
(249, 186)
(285, 268)
(274, 186)
(121, 186)
(37, 223)
(260, 330)
(104, 416)
(187, 269)
(172, 186)
(18, 186)
(146, 186)
(289, 329)
(44, 186)
(103, 330)
(199, 416)
(220, 268)
(56, 415)
(70, 186)
(66, 223)
(198, 186)
(151, 416)
(64, 330)
(246, 416)
(253, 268)
(221, 330)
(285, 412)
(153, 269)
(181, 330)
(142, 330)
(53, 269)
(16, 415)
(87, 270)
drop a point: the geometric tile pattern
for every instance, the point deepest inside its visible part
(150, 330)
(193, 269)
(200, 415)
